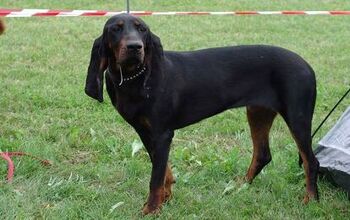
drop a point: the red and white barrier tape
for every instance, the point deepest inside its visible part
(66, 13)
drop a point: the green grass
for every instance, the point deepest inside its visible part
(44, 111)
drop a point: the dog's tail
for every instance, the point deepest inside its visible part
(2, 26)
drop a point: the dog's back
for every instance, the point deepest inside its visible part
(206, 82)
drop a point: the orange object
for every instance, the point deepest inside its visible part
(10, 166)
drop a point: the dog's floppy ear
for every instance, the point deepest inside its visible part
(98, 64)
(154, 49)
(153, 56)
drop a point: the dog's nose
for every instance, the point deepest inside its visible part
(134, 45)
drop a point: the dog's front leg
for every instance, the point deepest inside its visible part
(158, 151)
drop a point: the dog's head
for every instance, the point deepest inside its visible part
(126, 42)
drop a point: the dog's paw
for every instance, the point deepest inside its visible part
(310, 197)
(306, 199)
(150, 209)
(154, 202)
(248, 179)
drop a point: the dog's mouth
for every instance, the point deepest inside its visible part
(134, 58)
(130, 59)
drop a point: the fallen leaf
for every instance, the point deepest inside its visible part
(115, 206)
(229, 187)
(136, 146)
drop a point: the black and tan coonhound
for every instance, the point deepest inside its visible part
(158, 91)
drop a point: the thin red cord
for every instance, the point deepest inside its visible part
(10, 166)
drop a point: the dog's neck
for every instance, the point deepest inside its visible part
(137, 73)
(124, 76)
(130, 83)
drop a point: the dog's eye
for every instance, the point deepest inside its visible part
(117, 28)
(141, 29)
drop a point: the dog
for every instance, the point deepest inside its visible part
(2, 26)
(158, 91)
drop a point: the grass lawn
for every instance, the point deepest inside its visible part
(44, 111)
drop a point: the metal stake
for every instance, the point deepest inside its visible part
(127, 7)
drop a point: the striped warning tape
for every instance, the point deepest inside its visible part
(63, 13)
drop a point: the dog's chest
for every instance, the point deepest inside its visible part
(131, 110)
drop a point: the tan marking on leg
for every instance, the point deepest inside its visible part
(260, 121)
(169, 180)
(311, 188)
(154, 201)
(161, 195)
(301, 133)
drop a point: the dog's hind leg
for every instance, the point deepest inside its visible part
(260, 121)
(300, 127)
(298, 116)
